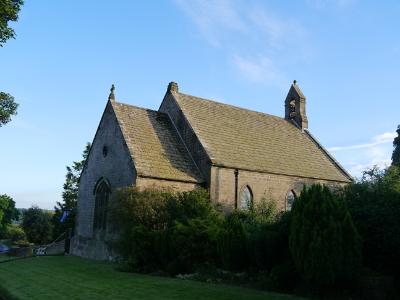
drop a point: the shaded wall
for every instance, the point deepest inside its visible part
(116, 167)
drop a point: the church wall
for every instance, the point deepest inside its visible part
(263, 185)
(170, 107)
(116, 167)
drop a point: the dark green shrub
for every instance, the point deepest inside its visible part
(193, 244)
(268, 242)
(37, 225)
(8, 213)
(374, 204)
(324, 243)
(232, 242)
(164, 230)
(284, 276)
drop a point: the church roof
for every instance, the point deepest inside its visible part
(154, 144)
(244, 139)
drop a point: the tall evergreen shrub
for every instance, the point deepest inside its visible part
(323, 241)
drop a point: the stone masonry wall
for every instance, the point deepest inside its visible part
(116, 167)
(263, 185)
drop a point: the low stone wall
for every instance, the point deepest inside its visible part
(56, 248)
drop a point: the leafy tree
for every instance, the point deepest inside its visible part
(8, 212)
(69, 196)
(396, 151)
(323, 241)
(16, 234)
(37, 225)
(8, 108)
(9, 10)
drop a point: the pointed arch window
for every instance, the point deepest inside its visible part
(245, 198)
(290, 197)
(102, 193)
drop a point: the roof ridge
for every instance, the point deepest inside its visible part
(138, 107)
(233, 106)
(155, 129)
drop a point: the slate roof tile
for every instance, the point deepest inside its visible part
(245, 139)
(154, 144)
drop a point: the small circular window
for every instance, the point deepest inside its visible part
(105, 151)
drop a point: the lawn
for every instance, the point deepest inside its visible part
(4, 257)
(68, 277)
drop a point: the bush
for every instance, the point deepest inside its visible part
(268, 242)
(8, 213)
(232, 242)
(193, 244)
(15, 233)
(324, 243)
(284, 276)
(164, 230)
(37, 225)
(374, 204)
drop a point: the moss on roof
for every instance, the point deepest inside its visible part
(245, 139)
(154, 144)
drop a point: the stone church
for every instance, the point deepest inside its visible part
(239, 155)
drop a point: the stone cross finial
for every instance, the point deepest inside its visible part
(173, 87)
(112, 96)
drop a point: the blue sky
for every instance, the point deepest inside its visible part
(344, 55)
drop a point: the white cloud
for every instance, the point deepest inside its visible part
(278, 33)
(260, 69)
(212, 17)
(258, 42)
(359, 157)
(383, 138)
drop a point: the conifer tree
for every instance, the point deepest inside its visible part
(69, 196)
(323, 241)
(396, 151)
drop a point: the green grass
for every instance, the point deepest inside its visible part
(4, 257)
(68, 277)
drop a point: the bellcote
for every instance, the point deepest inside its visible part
(295, 106)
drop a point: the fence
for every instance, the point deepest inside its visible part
(57, 247)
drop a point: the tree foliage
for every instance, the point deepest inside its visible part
(8, 212)
(165, 230)
(374, 204)
(9, 10)
(8, 108)
(69, 196)
(324, 243)
(15, 234)
(396, 150)
(37, 225)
